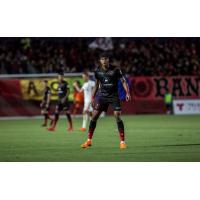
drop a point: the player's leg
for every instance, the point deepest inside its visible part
(56, 117)
(92, 127)
(86, 114)
(101, 105)
(45, 118)
(69, 119)
(43, 112)
(120, 124)
(84, 123)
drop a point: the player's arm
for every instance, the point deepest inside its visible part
(126, 88)
(77, 87)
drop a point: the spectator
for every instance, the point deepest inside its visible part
(137, 56)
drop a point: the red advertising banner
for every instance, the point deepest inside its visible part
(147, 94)
(154, 88)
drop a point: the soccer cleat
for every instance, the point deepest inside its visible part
(122, 146)
(43, 125)
(82, 129)
(51, 129)
(86, 144)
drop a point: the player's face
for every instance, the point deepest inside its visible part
(85, 77)
(104, 62)
(60, 78)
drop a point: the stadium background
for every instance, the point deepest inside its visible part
(154, 66)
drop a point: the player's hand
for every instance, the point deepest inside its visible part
(47, 105)
(128, 97)
(41, 104)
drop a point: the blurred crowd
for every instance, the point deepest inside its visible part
(136, 56)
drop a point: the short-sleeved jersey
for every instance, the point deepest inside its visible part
(47, 91)
(108, 81)
(62, 89)
(87, 89)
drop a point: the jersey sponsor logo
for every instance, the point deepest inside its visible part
(110, 73)
(106, 80)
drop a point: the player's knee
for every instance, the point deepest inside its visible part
(118, 119)
(95, 117)
(67, 112)
(117, 116)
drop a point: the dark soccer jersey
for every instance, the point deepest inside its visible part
(47, 91)
(62, 89)
(108, 81)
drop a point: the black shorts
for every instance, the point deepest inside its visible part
(62, 106)
(102, 104)
(168, 105)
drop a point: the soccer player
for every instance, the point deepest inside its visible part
(78, 98)
(87, 89)
(63, 103)
(45, 104)
(107, 77)
(168, 98)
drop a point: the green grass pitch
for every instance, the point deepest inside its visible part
(149, 138)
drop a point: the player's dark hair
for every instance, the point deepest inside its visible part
(86, 73)
(78, 82)
(104, 55)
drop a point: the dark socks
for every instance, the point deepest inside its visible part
(92, 127)
(120, 126)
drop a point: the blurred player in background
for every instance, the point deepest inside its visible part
(63, 103)
(107, 77)
(168, 98)
(45, 104)
(78, 98)
(87, 89)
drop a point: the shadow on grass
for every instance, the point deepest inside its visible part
(174, 145)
